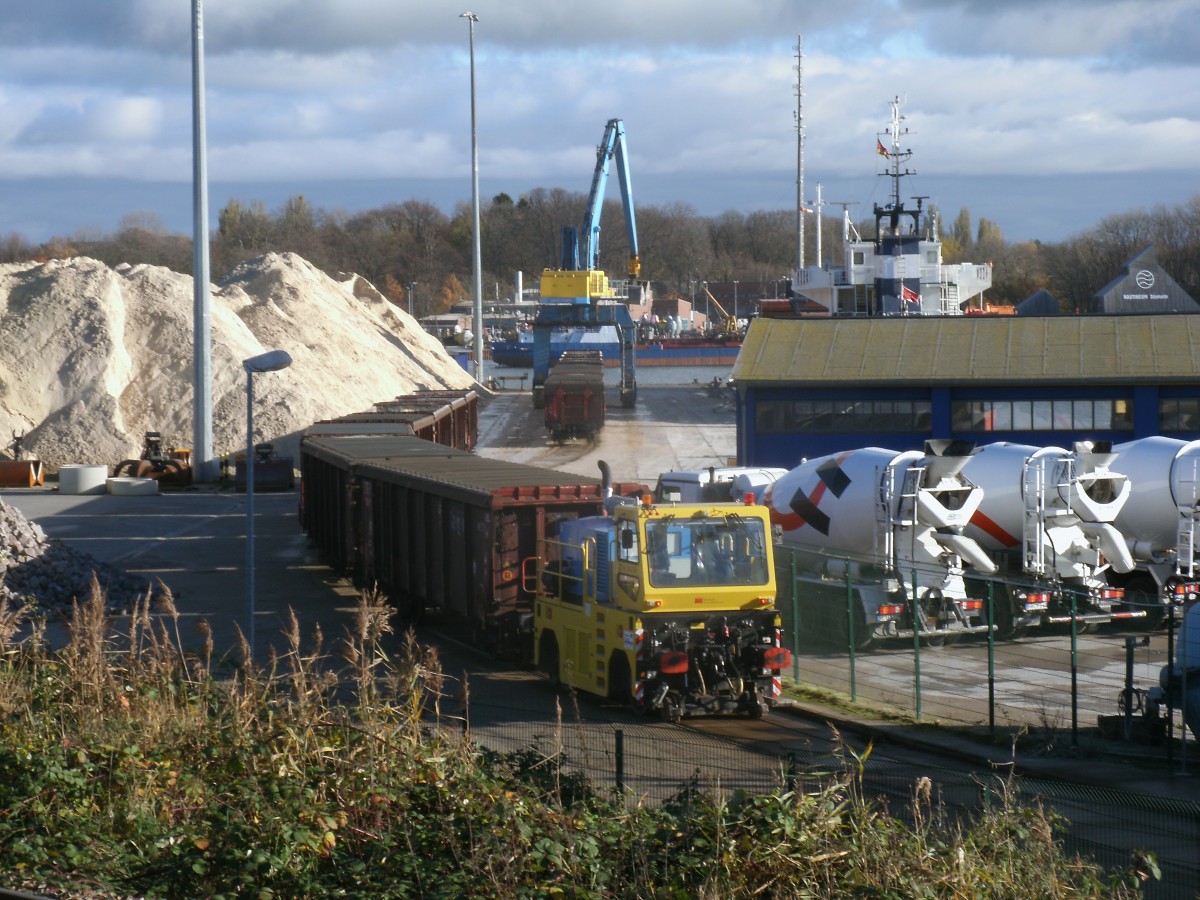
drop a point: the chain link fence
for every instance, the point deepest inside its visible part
(1072, 681)
(650, 763)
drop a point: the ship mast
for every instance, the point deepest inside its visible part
(895, 211)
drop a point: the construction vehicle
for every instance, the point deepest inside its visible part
(167, 465)
(1046, 520)
(874, 543)
(1159, 524)
(272, 472)
(20, 472)
(727, 324)
(579, 294)
(669, 608)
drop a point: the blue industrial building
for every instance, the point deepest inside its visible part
(810, 387)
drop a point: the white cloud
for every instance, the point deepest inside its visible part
(307, 89)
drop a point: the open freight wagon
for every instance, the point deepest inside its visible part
(440, 530)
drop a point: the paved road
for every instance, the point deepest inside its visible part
(669, 428)
(194, 542)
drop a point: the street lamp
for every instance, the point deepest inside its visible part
(412, 287)
(264, 362)
(735, 315)
(476, 262)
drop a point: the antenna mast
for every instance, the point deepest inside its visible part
(800, 151)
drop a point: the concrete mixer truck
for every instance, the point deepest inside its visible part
(1047, 521)
(877, 541)
(1159, 524)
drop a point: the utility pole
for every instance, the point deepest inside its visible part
(203, 464)
(800, 152)
(476, 261)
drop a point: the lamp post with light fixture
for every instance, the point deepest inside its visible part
(272, 361)
(476, 260)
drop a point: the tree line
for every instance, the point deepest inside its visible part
(420, 257)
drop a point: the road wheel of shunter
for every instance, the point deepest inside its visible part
(548, 659)
(620, 680)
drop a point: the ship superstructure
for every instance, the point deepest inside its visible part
(900, 272)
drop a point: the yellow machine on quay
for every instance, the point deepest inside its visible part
(667, 607)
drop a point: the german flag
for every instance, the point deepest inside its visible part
(880, 149)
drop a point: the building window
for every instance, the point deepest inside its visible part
(1178, 415)
(984, 416)
(842, 417)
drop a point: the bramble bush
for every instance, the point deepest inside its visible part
(133, 768)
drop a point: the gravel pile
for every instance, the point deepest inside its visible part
(35, 567)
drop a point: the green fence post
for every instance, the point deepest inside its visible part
(795, 622)
(991, 606)
(916, 614)
(619, 752)
(850, 631)
(1074, 671)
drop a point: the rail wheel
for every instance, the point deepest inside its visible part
(670, 711)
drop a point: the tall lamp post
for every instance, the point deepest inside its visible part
(735, 310)
(412, 288)
(265, 362)
(476, 262)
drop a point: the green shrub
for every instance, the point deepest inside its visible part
(128, 766)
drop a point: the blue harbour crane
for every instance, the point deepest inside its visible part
(578, 294)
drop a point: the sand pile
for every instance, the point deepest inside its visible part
(94, 357)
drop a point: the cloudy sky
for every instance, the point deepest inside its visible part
(1041, 115)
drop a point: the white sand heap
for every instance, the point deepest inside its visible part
(92, 357)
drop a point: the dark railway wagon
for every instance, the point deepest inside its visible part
(440, 529)
(449, 418)
(574, 395)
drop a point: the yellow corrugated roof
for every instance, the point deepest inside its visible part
(1004, 348)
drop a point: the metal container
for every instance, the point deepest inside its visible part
(440, 530)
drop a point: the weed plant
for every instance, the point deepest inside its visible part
(129, 767)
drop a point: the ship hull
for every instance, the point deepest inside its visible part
(667, 352)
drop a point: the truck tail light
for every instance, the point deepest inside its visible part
(890, 610)
(970, 604)
(1037, 601)
(776, 658)
(674, 662)
(1112, 594)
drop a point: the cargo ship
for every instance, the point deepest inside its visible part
(698, 350)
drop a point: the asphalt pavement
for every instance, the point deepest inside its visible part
(194, 542)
